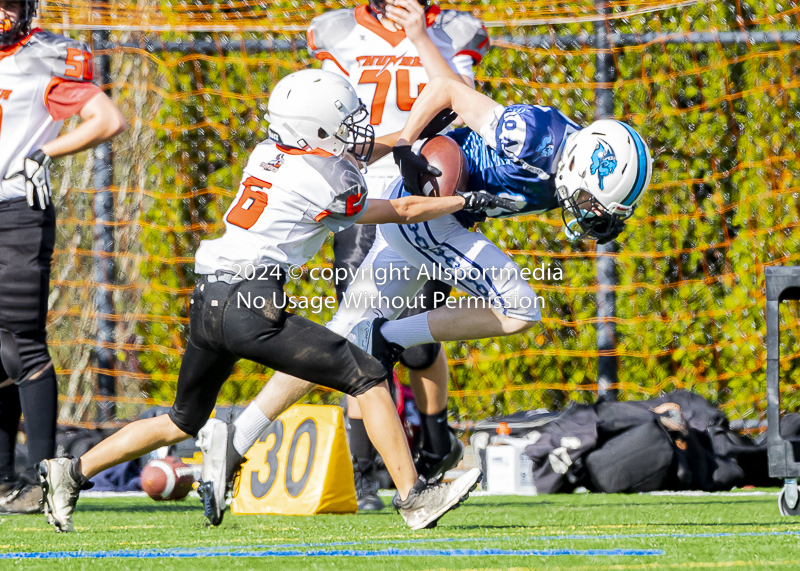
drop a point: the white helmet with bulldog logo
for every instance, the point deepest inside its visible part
(610, 162)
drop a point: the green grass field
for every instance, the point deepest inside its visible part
(582, 531)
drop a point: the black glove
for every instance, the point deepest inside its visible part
(438, 123)
(480, 200)
(609, 235)
(411, 166)
(37, 187)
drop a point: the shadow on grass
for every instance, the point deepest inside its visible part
(155, 507)
(484, 527)
(543, 502)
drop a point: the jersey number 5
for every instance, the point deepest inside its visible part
(251, 204)
(79, 64)
(382, 81)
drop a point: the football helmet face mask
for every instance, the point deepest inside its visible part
(316, 109)
(378, 7)
(602, 174)
(11, 31)
(360, 139)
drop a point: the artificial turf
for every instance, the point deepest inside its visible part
(577, 531)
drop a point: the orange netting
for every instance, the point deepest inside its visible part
(721, 119)
(293, 16)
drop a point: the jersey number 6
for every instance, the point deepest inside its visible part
(251, 204)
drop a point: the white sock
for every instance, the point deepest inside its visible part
(408, 332)
(249, 426)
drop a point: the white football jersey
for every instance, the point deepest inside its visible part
(27, 74)
(384, 67)
(288, 202)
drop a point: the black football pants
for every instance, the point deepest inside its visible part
(248, 320)
(27, 238)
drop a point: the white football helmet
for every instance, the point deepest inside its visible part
(316, 109)
(610, 162)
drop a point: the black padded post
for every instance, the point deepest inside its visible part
(782, 283)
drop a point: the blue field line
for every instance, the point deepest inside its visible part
(352, 543)
(663, 535)
(198, 553)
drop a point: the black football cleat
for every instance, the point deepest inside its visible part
(366, 488)
(433, 468)
(23, 498)
(211, 508)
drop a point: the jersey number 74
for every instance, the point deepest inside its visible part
(383, 81)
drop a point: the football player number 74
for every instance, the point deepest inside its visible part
(383, 81)
(251, 204)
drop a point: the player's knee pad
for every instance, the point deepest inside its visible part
(9, 355)
(521, 303)
(420, 357)
(39, 374)
(371, 374)
(23, 354)
(33, 355)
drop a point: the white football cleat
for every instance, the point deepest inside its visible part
(426, 503)
(60, 492)
(221, 462)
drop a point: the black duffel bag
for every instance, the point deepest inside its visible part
(637, 460)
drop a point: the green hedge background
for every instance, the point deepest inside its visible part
(721, 121)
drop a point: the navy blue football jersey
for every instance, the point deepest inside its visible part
(518, 161)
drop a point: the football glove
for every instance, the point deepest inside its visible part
(438, 123)
(611, 232)
(411, 166)
(480, 200)
(37, 188)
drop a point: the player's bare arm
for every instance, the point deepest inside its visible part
(383, 146)
(101, 121)
(410, 15)
(476, 109)
(410, 209)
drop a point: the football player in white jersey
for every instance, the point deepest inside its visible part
(296, 188)
(389, 50)
(531, 155)
(44, 79)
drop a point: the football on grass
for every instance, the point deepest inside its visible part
(167, 479)
(445, 154)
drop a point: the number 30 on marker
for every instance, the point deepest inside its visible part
(300, 466)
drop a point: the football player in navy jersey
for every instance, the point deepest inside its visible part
(538, 158)
(533, 157)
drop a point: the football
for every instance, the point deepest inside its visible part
(445, 154)
(167, 479)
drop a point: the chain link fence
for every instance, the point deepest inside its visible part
(712, 86)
